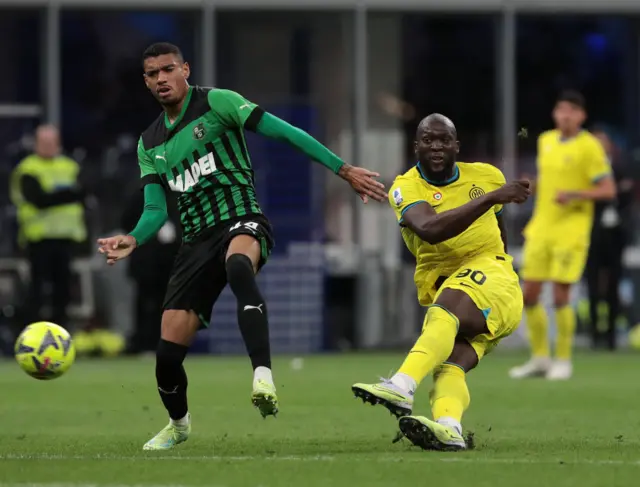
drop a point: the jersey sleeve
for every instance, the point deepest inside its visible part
(404, 194)
(234, 110)
(148, 172)
(597, 164)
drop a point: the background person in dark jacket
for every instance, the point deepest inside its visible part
(610, 236)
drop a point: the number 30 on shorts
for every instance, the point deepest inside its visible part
(476, 276)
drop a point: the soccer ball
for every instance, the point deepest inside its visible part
(45, 350)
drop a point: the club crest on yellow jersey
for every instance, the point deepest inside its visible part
(476, 192)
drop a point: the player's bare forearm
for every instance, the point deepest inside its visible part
(603, 190)
(502, 225)
(434, 227)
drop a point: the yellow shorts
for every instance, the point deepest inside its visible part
(494, 287)
(553, 260)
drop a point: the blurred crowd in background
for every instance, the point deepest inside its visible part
(299, 64)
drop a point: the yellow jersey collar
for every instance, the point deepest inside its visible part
(452, 179)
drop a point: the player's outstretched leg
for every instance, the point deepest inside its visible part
(242, 259)
(178, 328)
(432, 348)
(562, 368)
(537, 330)
(431, 435)
(449, 400)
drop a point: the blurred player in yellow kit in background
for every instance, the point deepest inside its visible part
(449, 213)
(573, 172)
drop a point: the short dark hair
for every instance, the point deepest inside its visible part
(574, 97)
(161, 48)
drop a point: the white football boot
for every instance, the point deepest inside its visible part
(536, 367)
(560, 370)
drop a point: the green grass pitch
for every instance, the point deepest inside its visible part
(88, 427)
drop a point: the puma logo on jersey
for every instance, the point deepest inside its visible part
(202, 167)
(161, 157)
(246, 105)
(248, 307)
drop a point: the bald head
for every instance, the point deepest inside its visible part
(47, 141)
(436, 120)
(437, 147)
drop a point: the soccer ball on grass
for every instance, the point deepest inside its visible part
(45, 350)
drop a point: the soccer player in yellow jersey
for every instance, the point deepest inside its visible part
(450, 218)
(573, 172)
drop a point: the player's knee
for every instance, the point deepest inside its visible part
(463, 355)
(561, 294)
(179, 326)
(239, 269)
(241, 277)
(170, 355)
(531, 293)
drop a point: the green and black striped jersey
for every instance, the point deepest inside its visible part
(203, 156)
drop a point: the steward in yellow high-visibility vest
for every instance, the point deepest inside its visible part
(50, 212)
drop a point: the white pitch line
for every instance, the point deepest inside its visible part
(431, 457)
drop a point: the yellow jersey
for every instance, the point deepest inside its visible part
(470, 180)
(575, 164)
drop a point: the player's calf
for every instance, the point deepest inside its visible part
(252, 310)
(434, 345)
(172, 378)
(254, 327)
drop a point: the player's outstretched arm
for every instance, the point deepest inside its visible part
(603, 190)
(434, 227)
(361, 180)
(153, 217)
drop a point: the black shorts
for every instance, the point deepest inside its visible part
(199, 274)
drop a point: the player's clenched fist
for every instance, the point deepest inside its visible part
(513, 192)
(116, 248)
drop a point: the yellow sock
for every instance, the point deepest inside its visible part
(566, 325)
(450, 394)
(537, 327)
(434, 345)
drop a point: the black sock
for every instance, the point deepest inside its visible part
(252, 310)
(171, 377)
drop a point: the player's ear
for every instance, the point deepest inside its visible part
(146, 80)
(583, 116)
(186, 69)
(415, 148)
(457, 146)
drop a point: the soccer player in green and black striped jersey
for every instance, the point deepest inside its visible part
(196, 148)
